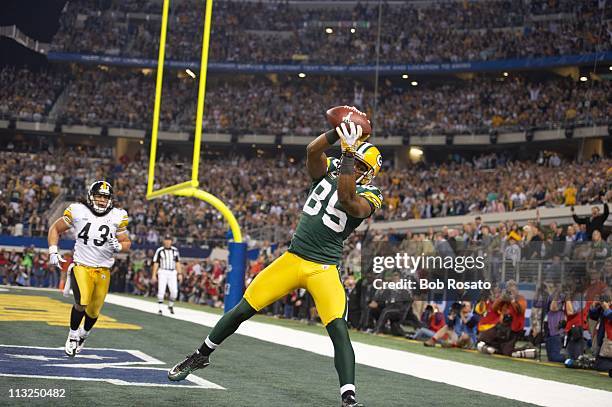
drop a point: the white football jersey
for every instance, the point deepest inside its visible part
(92, 233)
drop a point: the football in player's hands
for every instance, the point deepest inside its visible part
(347, 114)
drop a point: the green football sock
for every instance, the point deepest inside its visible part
(227, 325)
(344, 357)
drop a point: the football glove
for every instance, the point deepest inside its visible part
(54, 257)
(114, 243)
(349, 136)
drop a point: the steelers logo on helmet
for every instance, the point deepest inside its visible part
(100, 198)
(368, 155)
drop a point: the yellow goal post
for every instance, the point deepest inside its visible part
(237, 249)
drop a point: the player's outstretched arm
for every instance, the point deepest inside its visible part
(316, 160)
(353, 204)
(59, 226)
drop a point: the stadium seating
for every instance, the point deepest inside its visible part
(252, 104)
(470, 31)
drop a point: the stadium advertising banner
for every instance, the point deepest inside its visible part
(497, 65)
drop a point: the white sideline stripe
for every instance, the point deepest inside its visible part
(508, 385)
(145, 359)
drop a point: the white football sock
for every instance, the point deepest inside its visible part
(210, 344)
(346, 388)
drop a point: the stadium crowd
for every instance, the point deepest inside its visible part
(28, 95)
(267, 192)
(245, 105)
(283, 32)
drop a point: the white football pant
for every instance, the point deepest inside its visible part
(167, 278)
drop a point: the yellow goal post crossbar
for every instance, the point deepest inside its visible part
(187, 188)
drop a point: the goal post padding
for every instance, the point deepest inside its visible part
(236, 269)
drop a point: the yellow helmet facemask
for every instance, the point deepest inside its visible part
(368, 155)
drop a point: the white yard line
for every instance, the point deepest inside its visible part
(490, 381)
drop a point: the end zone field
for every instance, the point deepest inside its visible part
(270, 363)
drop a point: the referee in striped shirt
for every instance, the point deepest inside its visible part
(166, 266)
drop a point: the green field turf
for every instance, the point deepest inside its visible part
(254, 372)
(542, 370)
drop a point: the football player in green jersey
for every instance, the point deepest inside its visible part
(339, 199)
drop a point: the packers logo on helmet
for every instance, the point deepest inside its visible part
(370, 156)
(100, 188)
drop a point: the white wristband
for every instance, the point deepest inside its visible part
(53, 249)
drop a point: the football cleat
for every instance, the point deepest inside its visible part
(350, 401)
(160, 312)
(71, 344)
(171, 309)
(83, 335)
(192, 363)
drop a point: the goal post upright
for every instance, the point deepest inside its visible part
(237, 257)
(158, 90)
(201, 91)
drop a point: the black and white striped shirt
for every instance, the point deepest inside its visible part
(166, 258)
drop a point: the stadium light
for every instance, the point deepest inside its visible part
(415, 154)
(583, 79)
(414, 83)
(505, 74)
(329, 30)
(302, 75)
(610, 67)
(405, 76)
(190, 73)
(353, 30)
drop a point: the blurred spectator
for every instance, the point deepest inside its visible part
(601, 312)
(511, 306)
(460, 328)
(594, 222)
(432, 320)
